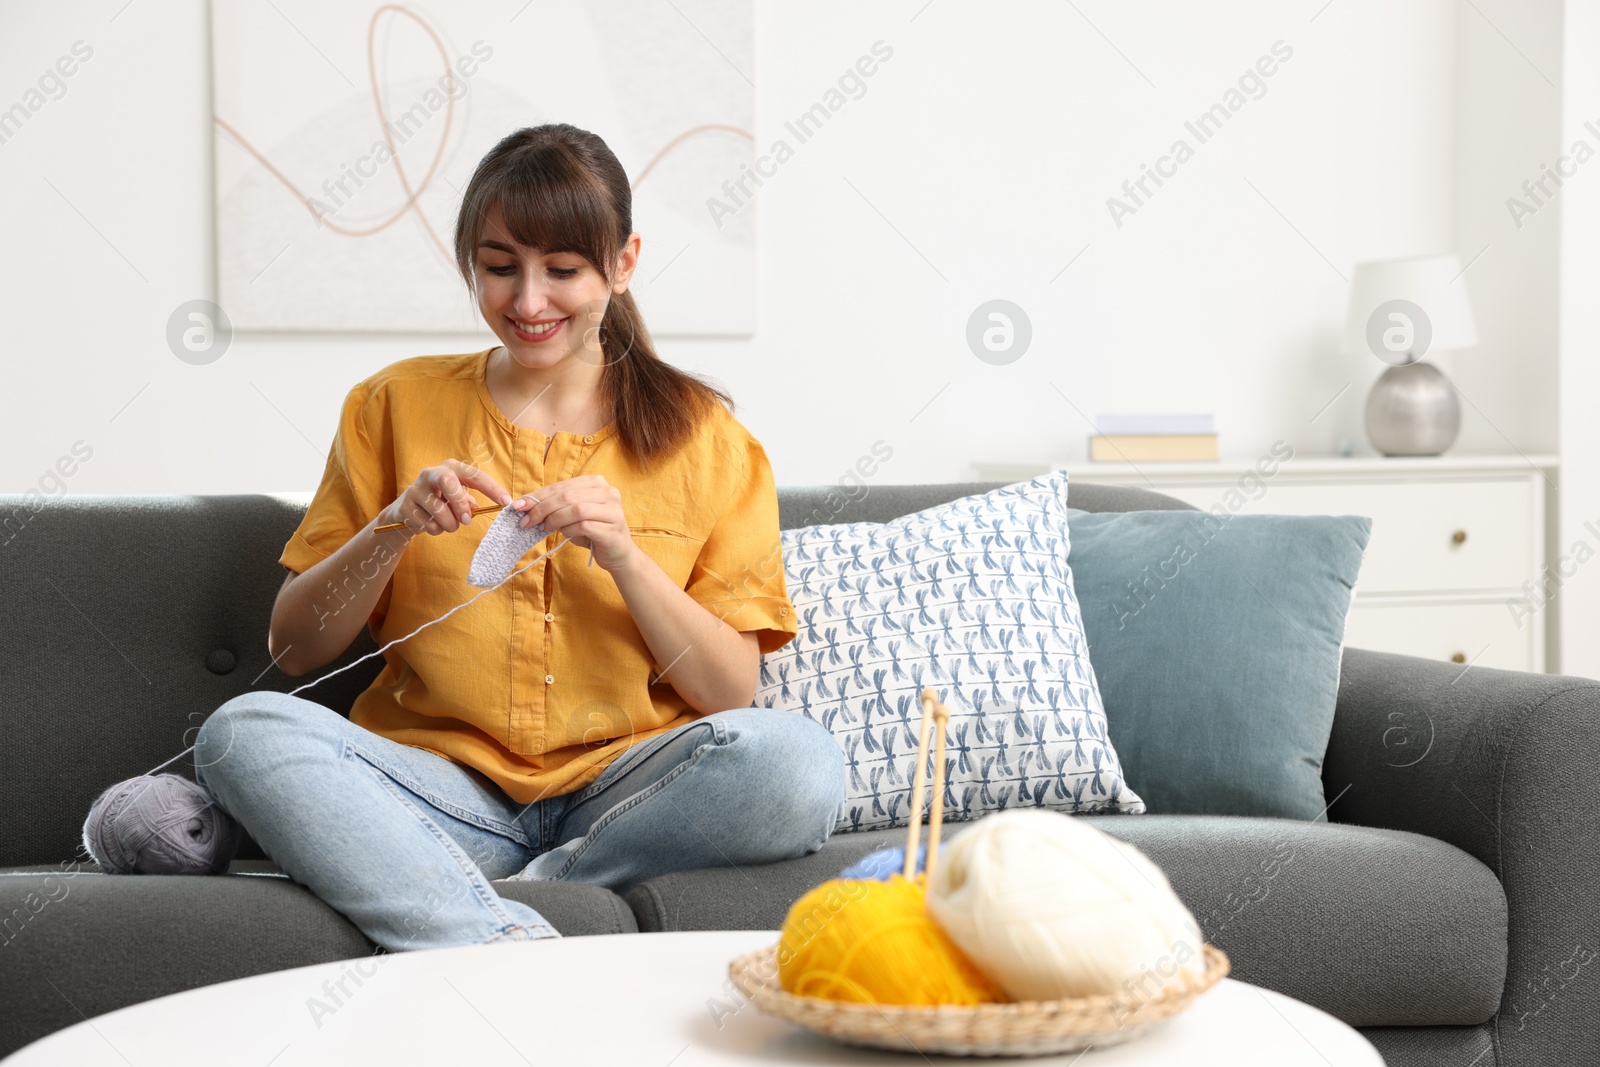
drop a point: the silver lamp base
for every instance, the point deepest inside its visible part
(1413, 411)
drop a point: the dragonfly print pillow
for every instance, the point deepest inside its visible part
(973, 598)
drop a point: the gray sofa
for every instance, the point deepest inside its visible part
(1447, 908)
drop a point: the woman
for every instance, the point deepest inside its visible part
(589, 721)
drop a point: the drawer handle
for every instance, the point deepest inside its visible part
(1459, 537)
(1459, 657)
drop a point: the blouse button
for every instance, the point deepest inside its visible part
(549, 679)
(549, 617)
(588, 438)
(783, 611)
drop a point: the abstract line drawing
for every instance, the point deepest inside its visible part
(336, 201)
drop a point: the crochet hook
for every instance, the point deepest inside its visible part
(401, 525)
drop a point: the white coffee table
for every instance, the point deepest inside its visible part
(643, 1000)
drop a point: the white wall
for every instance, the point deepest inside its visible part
(1508, 118)
(1578, 599)
(991, 141)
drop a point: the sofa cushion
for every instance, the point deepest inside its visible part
(125, 642)
(78, 940)
(1217, 639)
(1376, 927)
(973, 599)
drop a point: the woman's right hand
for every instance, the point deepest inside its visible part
(438, 502)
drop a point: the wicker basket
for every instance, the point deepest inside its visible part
(1021, 1028)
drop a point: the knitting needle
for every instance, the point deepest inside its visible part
(918, 780)
(400, 525)
(941, 717)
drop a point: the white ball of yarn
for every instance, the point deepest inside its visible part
(1048, 906)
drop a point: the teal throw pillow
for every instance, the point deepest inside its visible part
(1216, 641)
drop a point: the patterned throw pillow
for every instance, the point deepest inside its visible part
(973, 598)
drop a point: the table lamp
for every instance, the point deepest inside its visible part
(1400, 310)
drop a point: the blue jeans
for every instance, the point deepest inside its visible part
(404, 843)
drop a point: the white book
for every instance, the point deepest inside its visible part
(1115, 425)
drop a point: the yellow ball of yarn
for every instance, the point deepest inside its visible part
(874, 942)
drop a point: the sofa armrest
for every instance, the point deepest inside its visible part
(1504, 765)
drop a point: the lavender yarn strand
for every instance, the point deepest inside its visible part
(440, 619)
(166, 824)
(397, 640)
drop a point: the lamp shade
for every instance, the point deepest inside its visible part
(1402, 309)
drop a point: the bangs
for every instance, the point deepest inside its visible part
(548, 201)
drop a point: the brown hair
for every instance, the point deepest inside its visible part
(561, 189)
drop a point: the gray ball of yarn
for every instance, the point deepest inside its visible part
(160, 824)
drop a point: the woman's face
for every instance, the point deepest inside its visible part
(544, 308)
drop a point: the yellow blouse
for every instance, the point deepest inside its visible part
(545, 680)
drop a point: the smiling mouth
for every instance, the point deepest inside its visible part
(535, 331)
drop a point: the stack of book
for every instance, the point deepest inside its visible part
(1153, 438)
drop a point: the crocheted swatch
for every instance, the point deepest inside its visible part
(503, 544)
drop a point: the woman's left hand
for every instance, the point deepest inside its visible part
(588, 511)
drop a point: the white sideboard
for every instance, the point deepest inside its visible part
(1457, 557)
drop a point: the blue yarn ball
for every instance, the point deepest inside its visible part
(160, 824)
(878, 866)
